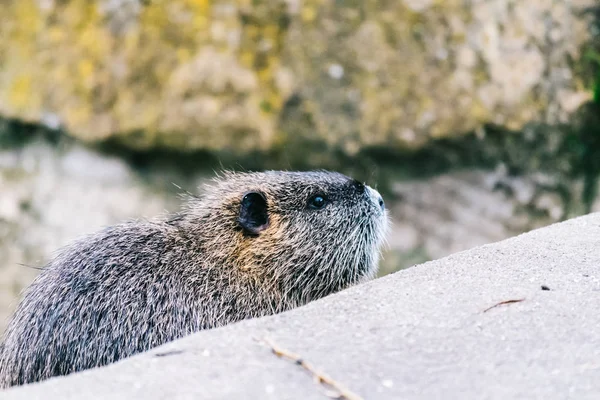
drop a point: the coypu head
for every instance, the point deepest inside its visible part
(304, 234)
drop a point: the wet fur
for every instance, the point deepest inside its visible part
(137, 285)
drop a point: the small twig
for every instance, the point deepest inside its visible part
(168, 353)
(341, 391)
(503, 303)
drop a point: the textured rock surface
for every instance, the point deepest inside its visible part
(263, 74)
(460, 210)
(424, 333)
(51, 196)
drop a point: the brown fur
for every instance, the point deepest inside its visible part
(137, 285)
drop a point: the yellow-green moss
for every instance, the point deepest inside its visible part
(204, 74)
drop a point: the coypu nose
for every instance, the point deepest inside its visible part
(376, 197)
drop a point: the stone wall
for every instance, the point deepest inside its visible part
(473, 117)
(222, 74)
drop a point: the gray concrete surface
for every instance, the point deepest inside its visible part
(421, 333)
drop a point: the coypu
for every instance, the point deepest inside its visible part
(253, 244)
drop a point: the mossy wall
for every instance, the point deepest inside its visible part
(256, 75)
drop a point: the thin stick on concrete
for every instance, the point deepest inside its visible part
(342, 392)
(502, 303)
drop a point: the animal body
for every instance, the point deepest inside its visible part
(252, 244)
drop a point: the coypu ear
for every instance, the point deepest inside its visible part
(253, 216)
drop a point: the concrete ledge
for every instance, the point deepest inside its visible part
(420, 333)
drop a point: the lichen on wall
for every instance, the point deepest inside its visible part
(255, 75)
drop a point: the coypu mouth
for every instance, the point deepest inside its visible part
(369, 237)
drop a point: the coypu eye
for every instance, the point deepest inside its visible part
(317, 201)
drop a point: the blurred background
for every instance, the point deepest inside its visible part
(477, 120)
